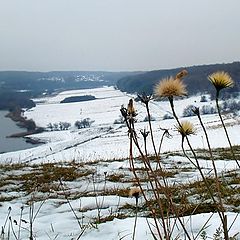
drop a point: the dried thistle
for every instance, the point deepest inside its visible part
(135, 192)
(181, 74)
(196, 111)
(186, 128)
(144, 133)
(221, 80)
(145, 98)
(130, 109)
(170, 87)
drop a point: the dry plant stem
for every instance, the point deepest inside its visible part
(70, 205)
(224, 127)
(213, 164)
(145, 145)
(157, 154)
(156, 192)
(223, 220)
(134, 138)
(9, 229)
(221, 214)
(31, 210)
(151, 131)
(144, 195)
(20, 222)
(161, 142)
(135, 221)
(5, 223)
(96, 201)
(185, 154)
(11, 224)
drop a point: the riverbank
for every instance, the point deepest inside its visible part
(8, 127)
(23, 123)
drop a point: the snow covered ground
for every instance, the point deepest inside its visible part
(105, 147)
(105, 140)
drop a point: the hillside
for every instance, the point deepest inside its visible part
(17, 87)
(145, 82)
(78, 183)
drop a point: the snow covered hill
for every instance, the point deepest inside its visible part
(77, 184)
(104, 139)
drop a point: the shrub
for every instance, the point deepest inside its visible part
(206, 109)
(151, 118)
(120, 120)
(167, 116)
(187, 112)
(85, 123)
(203, 98)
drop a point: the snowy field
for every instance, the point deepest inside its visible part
(105, 140)
(104, 148)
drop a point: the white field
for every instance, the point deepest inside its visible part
(107, 141)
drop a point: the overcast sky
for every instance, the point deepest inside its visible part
(45, 35)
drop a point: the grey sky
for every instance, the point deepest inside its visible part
(115, 35)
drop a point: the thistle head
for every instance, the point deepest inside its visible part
(181, 74)
(135, 192)
(130, 109)
(221, 80)
(145, 98)
(186, 128)
(170, 87)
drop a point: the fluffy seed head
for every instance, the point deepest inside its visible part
(186, 128)
(170, 87)
(182, 74)
(221, 80)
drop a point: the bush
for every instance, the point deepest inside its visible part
(64, 125)
(187, 112)
(120, 120)
(203, 98)
(167, 116)
(206, 109)
(59, 126)
(85, 123)
(151, 118)
(30, 125)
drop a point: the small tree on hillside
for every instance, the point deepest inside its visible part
(85, 123)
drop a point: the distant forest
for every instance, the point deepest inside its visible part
(196, 80)
(18, 87)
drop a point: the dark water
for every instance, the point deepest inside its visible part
(8, 127)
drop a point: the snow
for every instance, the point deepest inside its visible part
(108, 141)
(105, 140)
